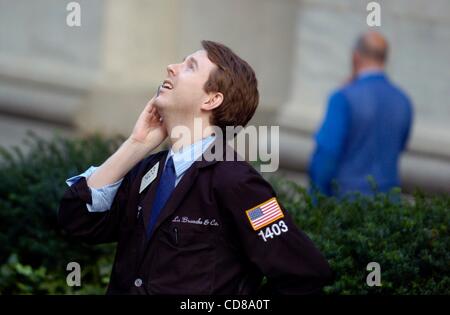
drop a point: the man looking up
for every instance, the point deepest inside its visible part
(184, 224)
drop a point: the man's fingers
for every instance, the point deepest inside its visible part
(149, 107)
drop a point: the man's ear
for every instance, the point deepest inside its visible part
(214, 100)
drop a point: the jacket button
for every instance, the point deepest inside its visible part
(138, 282)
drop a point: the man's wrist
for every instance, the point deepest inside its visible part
(137, 148)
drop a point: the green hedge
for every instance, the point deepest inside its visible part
(33, 251)
(409, 239)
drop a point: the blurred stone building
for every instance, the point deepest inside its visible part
(98, 77)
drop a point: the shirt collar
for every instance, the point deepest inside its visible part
(187, 155)
(369, 73)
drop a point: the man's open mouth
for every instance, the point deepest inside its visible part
(167, 85)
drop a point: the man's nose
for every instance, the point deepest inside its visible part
(171, 70)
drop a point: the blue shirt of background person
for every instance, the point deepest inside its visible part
(365, 129)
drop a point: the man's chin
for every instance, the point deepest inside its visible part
(162, 105)
(159, 102)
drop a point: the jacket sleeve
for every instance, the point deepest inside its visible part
(408, 123)
(281, 251)
(330, 141)
(103, 197)
(92, 227)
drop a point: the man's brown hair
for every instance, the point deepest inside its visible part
(236, 80)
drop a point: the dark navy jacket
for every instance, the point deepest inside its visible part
(365, 129)
(203, 241)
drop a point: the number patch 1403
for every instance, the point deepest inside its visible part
(273, 230)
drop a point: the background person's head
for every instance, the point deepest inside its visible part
(370, 52)
(213, 84)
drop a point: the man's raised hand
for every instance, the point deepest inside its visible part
(149, 129)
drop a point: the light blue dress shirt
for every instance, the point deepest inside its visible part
(102, 198)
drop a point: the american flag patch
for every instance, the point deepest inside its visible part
(264, 214)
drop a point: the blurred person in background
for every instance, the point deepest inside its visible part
(365, 129)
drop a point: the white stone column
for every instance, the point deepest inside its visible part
(46, 67)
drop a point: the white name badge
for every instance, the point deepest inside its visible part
(149, 177)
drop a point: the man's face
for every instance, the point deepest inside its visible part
(182, 92)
